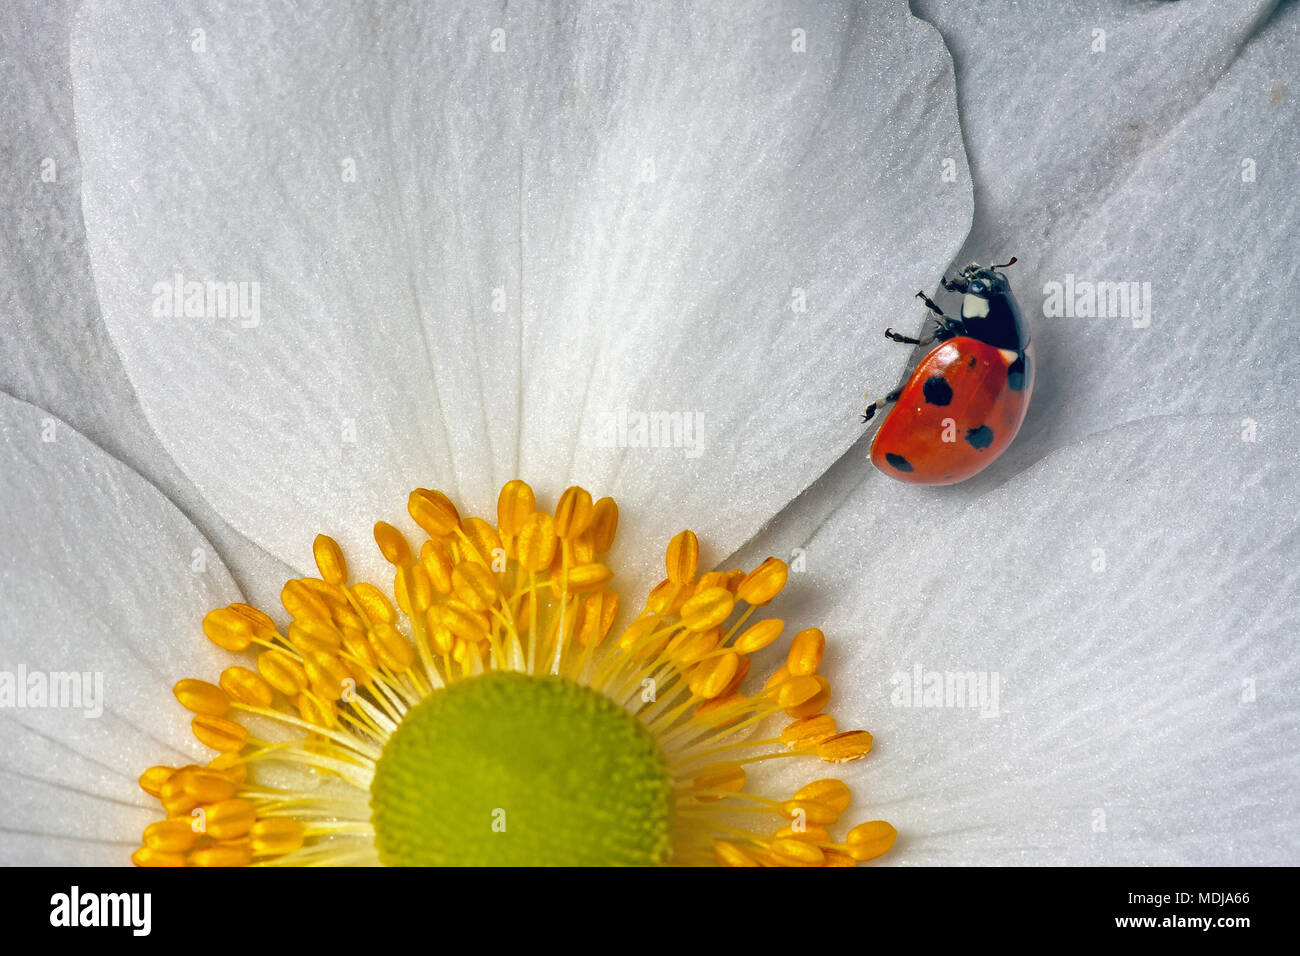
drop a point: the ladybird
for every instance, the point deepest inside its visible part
(964, 402)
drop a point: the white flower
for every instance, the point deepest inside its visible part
(468, 237)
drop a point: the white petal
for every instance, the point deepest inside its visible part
(642, 197)
(57, 351)
(1137, 597)
(100, 580)
(1167, 159)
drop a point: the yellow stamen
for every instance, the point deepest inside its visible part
(535, 594)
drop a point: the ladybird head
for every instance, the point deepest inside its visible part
(983, 281)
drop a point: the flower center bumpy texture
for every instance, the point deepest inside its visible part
(561, 773)
(503, 708)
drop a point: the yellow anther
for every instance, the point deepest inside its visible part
(314, 634)
(230, 819)
(475, 586)
(866, 841)
(147, 856)
(667, 598)
(437, 563)
(243, 686)
(421, 587)
(220, 855)
(795, 690)
(779, 677)
(830, 791)
(711, 678)
(392, 544)
(485, 541)
(276, 835)
(689, 646)
(711, 579)
(842, 748)
(228, 629)
(537, 541)
(809, 833)
(318, 711)
(759, 636)
(732, 579)
(810, 811)
(207, 786)
(814, 704)
(809, 730)
(201, 697)
(587, 578)
(152, 780)
(728, 854)
(641, 641)
(764, 582)
(722, 710)
(263, 626)
(707, 609)
(797, 853)
(719, 779)
(282, 672)
(376, 605)
(174, 797)
(301, 601)
(170, 836)
(330, 562)
(682, 559)
(391, 647)
(596, 617)
(574, 513)
(515, 503)
(230, 766)
(442, 638)
(433, 511)
(604, 525)
(579, 550)
(806, 652)
(359, 656)
(460, 620)
(333, 596)
(737, 678)
(328, 675)
(345, 617)
(219, 733)
(836, 858)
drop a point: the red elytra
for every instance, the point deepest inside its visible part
(966, 399)
(942, 444)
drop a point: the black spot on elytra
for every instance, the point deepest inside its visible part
(980, 438)
(971, 363)
(898, 461)
(936, 390)
(1017, 371)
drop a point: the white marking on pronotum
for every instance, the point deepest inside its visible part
(974, 306)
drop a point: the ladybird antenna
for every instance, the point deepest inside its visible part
(1012, 262)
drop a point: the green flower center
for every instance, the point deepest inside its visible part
(507, 769)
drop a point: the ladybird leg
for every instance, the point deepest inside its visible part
(907, 339)
(949, 328)
(881, 403)
(929, 304)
